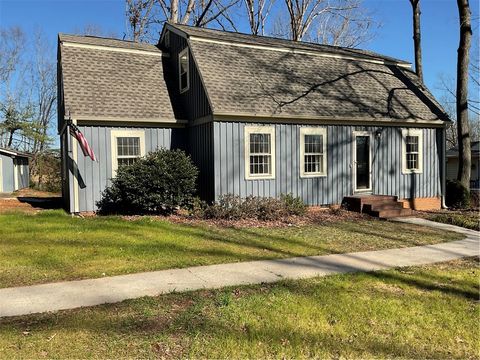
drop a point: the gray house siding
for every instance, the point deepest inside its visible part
(200, 147)
(22, 172)
(7, 173)
(192, 104)
(94, 177)
(387, 177)
(14, 167)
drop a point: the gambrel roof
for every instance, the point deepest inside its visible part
(261, 76)
(113, 79)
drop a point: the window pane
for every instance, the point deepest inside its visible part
(260, 143)
(126, 161)
(183, 81)
(260, 164)
(128, 146)
(183, 63)
(412, 161)
(313, 164)
(313, 144)
(412, 144)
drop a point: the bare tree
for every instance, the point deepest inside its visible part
(257, 12)
(337, 22)
(349, 28)
(44, 81)
(417, 37)
(12, 42)
(139, 16)
(28, 94)
(463, 128)
(144, 16)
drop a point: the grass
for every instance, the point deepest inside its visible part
(465, 219)
(418, 312)
(52, 246)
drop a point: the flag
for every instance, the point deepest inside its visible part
(77, 134)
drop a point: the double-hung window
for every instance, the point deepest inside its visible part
(127, 147)
(313, 152)
(183, 71)
(259, 152)
(412, 151)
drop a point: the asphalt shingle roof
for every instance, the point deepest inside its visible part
(278, 79)
(104, 80)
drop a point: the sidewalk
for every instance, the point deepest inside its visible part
(74, 294)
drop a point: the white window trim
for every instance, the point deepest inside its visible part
(114, 134)
(312, 131)
(412, 132)
(261, 130)
(183, 52)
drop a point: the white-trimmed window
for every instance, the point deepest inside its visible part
(127, 147)
(412, 149)
(259, 152)
(313, 152)
(183, 72)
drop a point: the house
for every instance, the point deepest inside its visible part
(452, 164)
(258, 115)
(14, 171)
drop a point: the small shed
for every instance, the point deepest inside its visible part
(14, 170)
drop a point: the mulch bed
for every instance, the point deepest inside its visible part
(313, 216)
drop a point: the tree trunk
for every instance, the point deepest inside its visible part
(417, 38)
(463, 126)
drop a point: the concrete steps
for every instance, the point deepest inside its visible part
(381, 206)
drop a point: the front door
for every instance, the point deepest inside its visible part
(362, 160)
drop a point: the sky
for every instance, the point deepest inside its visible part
(439, 26)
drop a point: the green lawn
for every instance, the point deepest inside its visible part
(418, 312)
(52, 246)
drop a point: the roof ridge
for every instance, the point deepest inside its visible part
(107, 42)
(292, 44)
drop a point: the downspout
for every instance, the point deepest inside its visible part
(444, 165)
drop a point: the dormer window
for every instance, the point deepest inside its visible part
(183, 73)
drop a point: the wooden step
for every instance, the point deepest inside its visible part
(385, 214)
(368, 208)
(382, 206)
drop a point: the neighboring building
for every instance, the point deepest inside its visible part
(259, 116)
(14, 171)
(452, 164)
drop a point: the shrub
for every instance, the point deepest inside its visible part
(293, 205)
(232, 207)
(158, 183)
(457, 196)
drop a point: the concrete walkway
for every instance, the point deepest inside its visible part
(74, 294)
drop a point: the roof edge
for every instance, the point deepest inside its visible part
(355, 53)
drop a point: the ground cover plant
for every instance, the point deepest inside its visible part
(428, 312)
(233, 207)
(469, 219)
(51, 245)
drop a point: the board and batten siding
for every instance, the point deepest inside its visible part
(387, 177)
(193, 103)
(94, 177)
(8, 184)
(23, 172)
(200, 148)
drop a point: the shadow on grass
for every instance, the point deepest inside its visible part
(203, 317)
